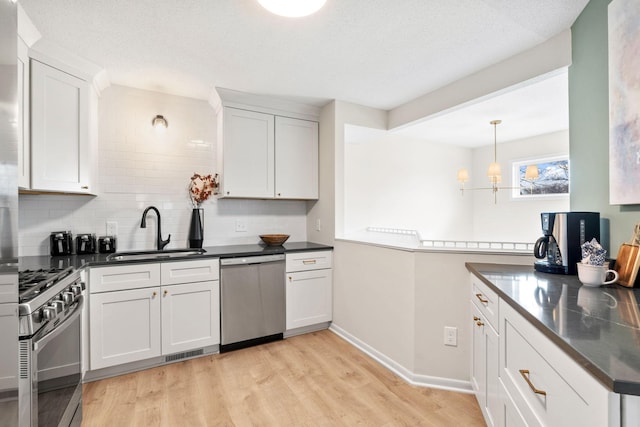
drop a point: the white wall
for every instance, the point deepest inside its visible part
(138, 167)
(396, 304)
(513, 219)
(399, 182)
(374, 298)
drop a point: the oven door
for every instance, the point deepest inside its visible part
(55, 392)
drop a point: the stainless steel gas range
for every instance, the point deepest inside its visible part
(50, 374)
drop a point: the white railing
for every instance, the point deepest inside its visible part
(441, 244)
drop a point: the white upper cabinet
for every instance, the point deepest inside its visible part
(296, 158)
(60, 152)
(248, 158)
(266, 150)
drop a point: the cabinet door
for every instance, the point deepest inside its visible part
(478, 358)
(24, 140)
(124, 326)
(296, 158)
(248, 154)
(493, 407)
(485, 368)
(190, 316)
(59, 130)
(9, 349)
(309, 298)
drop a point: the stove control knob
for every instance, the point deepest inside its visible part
(68, 297)
(49, 313)
(76, 289)
(58, 305)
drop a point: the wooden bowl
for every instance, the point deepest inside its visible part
(274, 239)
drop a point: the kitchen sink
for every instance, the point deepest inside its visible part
(154, 255)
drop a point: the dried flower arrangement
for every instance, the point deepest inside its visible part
(202, 187)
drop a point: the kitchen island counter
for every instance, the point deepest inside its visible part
(599, 328)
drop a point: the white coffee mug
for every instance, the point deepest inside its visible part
(595, 275)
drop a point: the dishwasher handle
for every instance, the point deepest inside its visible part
(256, 259)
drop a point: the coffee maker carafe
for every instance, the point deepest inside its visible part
(559, 249)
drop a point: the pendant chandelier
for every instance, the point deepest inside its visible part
(494, 171)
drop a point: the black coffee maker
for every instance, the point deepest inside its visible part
(559, 249)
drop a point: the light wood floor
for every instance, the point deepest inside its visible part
(316, 379)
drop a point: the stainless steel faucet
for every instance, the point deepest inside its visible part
(160, 244)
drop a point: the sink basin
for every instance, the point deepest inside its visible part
(154, 255)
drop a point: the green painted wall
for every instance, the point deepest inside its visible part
(589, 124)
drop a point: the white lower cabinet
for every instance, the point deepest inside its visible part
(142, 311)
(521, 378)
(125, 326)
(309, 296)
(309, 299)
(484, 359)
(547, 387)
(190, 316)
(511, 415)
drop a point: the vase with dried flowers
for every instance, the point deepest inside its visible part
(201, 188)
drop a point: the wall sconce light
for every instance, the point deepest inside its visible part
(159, 122)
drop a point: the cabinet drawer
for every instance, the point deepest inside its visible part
(173, 273)
(486, 300)
(546, 385)
(303, 261)
(122, 277)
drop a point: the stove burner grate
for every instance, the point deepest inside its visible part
(33, 282)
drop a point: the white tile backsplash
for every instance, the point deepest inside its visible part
(137, 168)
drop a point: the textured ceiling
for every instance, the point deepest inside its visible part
(531, 109)
(378, 53)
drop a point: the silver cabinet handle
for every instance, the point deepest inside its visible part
(308, 261)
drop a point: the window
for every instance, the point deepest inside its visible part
(552, 180)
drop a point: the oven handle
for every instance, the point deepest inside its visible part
(45, 339)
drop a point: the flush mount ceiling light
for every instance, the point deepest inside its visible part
(494, 172)
(159, 122)
(292, 8)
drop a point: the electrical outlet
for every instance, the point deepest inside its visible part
(112, 228)
(318, 225)
(451, 336)
(241, 226)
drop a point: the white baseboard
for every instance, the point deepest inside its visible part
(414, 379)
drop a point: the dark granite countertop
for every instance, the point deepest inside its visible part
(598, 327)
(225, 251)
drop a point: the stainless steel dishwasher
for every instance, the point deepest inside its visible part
(252, 300)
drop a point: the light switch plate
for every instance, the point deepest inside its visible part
(451, 336)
